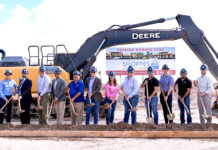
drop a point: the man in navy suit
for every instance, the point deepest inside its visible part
(24, 88)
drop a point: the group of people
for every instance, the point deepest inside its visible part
(55, 90)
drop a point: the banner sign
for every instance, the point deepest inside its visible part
(119, 59)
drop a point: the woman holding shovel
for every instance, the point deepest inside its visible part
(76, 92)
(110, 101)
(151, 85)
(131, 95)
(184, 88)
(204, 87)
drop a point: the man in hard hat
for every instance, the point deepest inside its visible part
(59, 85)
(93, 84)
(184, 89)
(24, 90)
(76, 91)
(205, 86)
(44, 90)
(131, 93)
(153, 86)
(166, 86)
(6, 94)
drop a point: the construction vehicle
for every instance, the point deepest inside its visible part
(84, 58)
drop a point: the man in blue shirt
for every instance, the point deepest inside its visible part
(6, 92)
(131, 94)
(166, 86)
(76, 91)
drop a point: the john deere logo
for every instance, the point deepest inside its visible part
(141, 36)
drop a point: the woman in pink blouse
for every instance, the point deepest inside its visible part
(112, 90)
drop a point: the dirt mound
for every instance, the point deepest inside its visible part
(117, 127)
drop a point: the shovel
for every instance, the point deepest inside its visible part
(109, 106)
(49, 115)
(171, 116)
(90, 102)
(1, 110)
(187, 110)
(39, 107)
(149, 119)
(131, 108)
(19, 106)
(205, 116)
(75, 114)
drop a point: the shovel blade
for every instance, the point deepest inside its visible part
(39, 108)
(150, 120)
(107, 106)
(1, 112)
(189, 113)
(48, 117)
(171, 117)
(133, 109)
(207, 117)
(21, 111)
(75, 114)
(92, 104)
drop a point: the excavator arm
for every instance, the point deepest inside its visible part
(127, 34)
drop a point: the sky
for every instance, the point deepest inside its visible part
(69, 22)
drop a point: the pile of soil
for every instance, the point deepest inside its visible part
(117, 127)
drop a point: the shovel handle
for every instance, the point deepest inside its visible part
(202, 103)
(19, 104)
(6, 104)
(165, 101)
(146, 82)
(51, 107)
(183, 103)
(128, 102)
(114, 100)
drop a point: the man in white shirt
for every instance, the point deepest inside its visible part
(205, 87)
(44, 90)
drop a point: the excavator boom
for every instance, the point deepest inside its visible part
(127, 34)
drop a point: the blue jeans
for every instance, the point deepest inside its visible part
(89, 110)
(153, 108)
(182, 110)
(134, 102)
(110, 112)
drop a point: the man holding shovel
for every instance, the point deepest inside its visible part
(44, 90)
(76, 92)
(94, 96)
(184, 88)
(6, 95)
(131, 96)
(204, 87)
(166, 86)
(59, 85)
(151, 85)
(25, 98)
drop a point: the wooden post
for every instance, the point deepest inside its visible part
(109, 134)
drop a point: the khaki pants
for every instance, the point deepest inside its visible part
(207, 104)
(44, 102)
(60, 110)
(79, 108)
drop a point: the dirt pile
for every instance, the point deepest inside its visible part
(117, 127)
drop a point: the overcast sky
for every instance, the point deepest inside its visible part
(70, 22)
